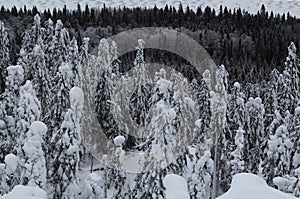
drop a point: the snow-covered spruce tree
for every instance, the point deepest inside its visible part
(139, 105)
(65, 81)
(66, 143)
(294, 130)
(15, 77)
(9, 106)
(106, 86)
(255, 138)
(200, 181)
(222, 151)
(202, 95)
(34, 167)
(9, 177)
(270, 97)
(289, 92)
(29, 110)
(61, 74)
(161, 142)
(199, 165)
(4, 137)
(279, 151)
(236, 107)
(4, 55)
(32, 37)
(237, 162)
(269, 164)
(36, 57)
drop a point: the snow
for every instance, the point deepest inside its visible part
(26, 192)
(38, 128)
(76, 98)
(2, 124)
(67, 72)
(176, 187)
(297, 111)
(11, 163)
(250, 186)
(119, 140)
(237, 85)
(240, 101)
(292, 50)
(278, 6)
(14, 73)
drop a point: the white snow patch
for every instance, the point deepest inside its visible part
(176, 187)
(119, 140)
(297, 111)
(76, 98)
(250, 186)
(11, 163)
(38, 128)
(237, 85)
(26, 192)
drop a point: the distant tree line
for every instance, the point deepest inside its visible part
(250, 45)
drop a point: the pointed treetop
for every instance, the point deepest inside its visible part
(37, 19)
(59, 25)
(141, 43)
(292, 50)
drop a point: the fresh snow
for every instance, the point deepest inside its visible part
(176, 187)
(76, 98)
(252, 6)
(11, 163)
(26, 192)
(38, 128)
(250, 186)
(119, 140)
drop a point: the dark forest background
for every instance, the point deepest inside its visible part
(249, 45)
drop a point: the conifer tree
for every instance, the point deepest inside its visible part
(66, 143)
(35, 167)
(4, 55)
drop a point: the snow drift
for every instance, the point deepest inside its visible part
(250, 186)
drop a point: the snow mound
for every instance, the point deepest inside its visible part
(26, 192)
(237, 85)
(297, 111)
(76, 98)
(119, 140)
(38, 128)
(250, 186)
(11, 162)
(176, 187)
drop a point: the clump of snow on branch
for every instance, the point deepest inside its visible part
(176, 187)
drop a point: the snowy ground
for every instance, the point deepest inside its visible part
(277, 6)
(250, 186)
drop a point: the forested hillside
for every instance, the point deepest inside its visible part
(254, 44)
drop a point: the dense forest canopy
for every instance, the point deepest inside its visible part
(250, 45)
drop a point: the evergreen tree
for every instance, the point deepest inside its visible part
(255, 139)
(279, 149)
(200, 181)
(35, 167)
(289, 95)
(237, 163)
(66, 143)
(4, 55)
